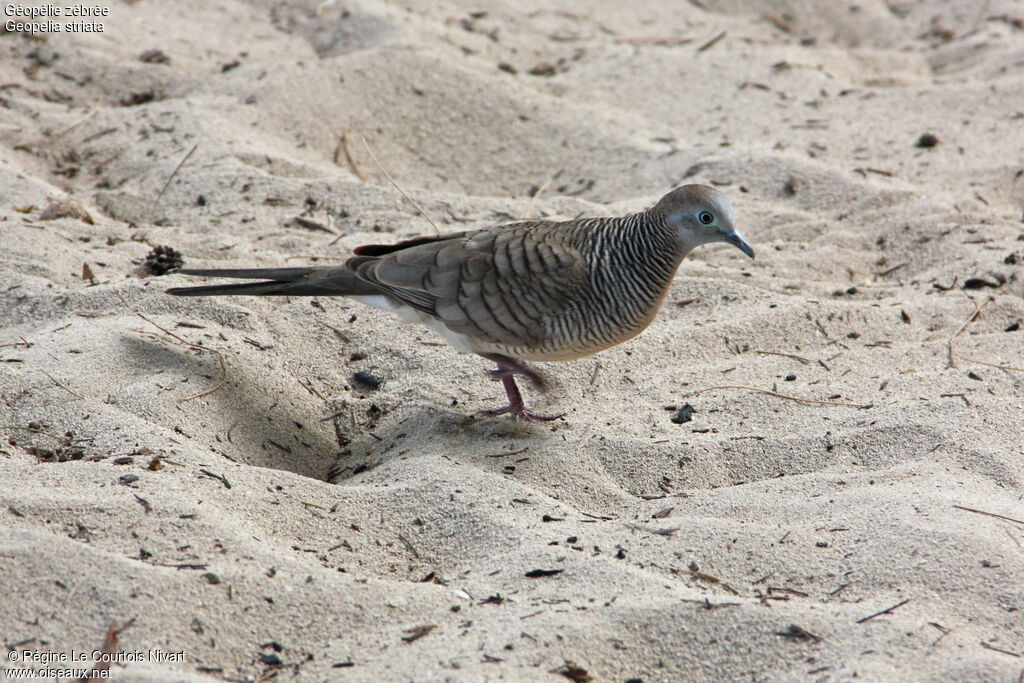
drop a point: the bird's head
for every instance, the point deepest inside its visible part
(700, 215)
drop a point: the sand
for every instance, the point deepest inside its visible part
(276, 518)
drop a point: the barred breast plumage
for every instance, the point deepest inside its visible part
(530, 291)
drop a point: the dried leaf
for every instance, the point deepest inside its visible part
(574, 672)
(417, 632)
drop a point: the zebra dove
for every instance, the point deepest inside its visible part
(529, 291)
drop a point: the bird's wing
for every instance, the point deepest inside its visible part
(496, 285)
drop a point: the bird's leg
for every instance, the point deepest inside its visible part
(508, 368)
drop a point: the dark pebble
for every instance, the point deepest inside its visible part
(368, 380)
(790, 378)
(990, 280)
(154, 57)
(65, 453)
(270, 659)
(684, 414)
(927, 140)
(128, 479)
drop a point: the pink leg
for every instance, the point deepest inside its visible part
(507, 369)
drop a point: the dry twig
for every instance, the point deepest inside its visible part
(156, 202)
(990, 514)
(392, 181)
(777, 395)
(34, 431)
(784, 355)
(534, 198)
(953, 355)
(74, 124)
(708, 45)
(109, 648)
(55, 381)
(971, 318)
(343, 146)
(887, 610)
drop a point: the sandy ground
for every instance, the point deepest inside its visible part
(277, 519)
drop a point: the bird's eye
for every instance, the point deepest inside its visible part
(705, 217)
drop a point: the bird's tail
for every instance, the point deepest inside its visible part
(324, 281)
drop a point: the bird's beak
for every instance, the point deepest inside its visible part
(736, 239)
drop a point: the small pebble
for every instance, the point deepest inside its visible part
(927, 140)
(988, 280)
(368, 380)
(154, 57)
(685, 414)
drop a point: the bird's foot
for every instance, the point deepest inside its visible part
(508, 368)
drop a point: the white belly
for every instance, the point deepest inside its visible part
(408, 314)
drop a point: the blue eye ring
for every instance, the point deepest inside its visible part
(705, 217)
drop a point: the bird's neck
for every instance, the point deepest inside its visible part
(658, 244)
(632, 262)
(642, 246)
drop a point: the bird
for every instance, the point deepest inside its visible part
(539, 290)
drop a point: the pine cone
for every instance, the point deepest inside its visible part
(161, 260)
